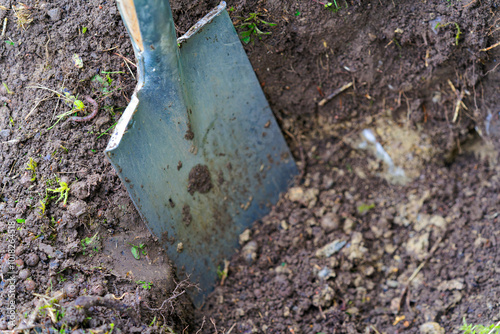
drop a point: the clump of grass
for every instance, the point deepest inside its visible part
(63, 190)
(32, 167)
(251, 24)
(480, 329)
(22, 13)
(459, 32)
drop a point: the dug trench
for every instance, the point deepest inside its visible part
(355, 246)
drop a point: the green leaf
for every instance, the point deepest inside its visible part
(20, 220)
(84, 30)
(297, 13)
(246, 40)
(79, 105)
(365, 208)
(135, 252)
(10, 42)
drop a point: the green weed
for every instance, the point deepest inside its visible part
(63, 190)
(145, 285)
(90, 243)
(459, 32)
(32, 167)
(137, 250)
(333, 6)
(251, 27)
(480, 329)
(363, 208)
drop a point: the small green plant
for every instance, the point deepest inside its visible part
(90, 243)
(363, 208)
(84, 30)
(10, 42)
(145, 285)
(63, 190)
(137, 250)
(333, 6)
(444, 25)
(480, 329)
(32, 167)
(7, 88)
(251, 29)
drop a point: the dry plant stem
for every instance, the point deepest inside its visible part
(4, 26)
(419, 268)
(231, 329)
(202, 323)
(34, 108)
(335, 93)
(491, 47)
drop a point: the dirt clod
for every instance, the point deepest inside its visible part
(186, 214)
(199, 180)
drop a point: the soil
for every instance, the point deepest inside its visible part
(391, 226)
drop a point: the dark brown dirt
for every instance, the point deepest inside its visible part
(199, 180)
(407, 77)
(186, 214)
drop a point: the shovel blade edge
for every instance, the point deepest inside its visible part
(201, 153)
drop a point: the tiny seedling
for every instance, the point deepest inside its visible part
(90, 243)
(480, 329)
(7, 88)
(10, 42)
(137, 250)
(363, 208)
(32, 167)
(444, 25)
(333, 6)
(251, 28)
(20, 220)
(145, 285)
(63, 190)
(84, 30)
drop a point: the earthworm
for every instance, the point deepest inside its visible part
(89, 116)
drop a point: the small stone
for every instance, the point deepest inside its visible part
(324, 298)
(29, 284)
(102, 120)
(80, 190)
(5, 133)
(24, 274)
(431, 328)
(307, 198)
(97, 290)
(352, 311)
(32, 259)
(54, 14)
(249, 252)
(349, 225)
(455, 284)
(245, 236)
(54, 265)
(286, 312)
(71, 290)
(240, 312)
(180, 247)
(20, 250)
(331, 248)
(47, 249)
(392, 283)
(77, 208)
(330, 222)
(19, 264)
(417, 246)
